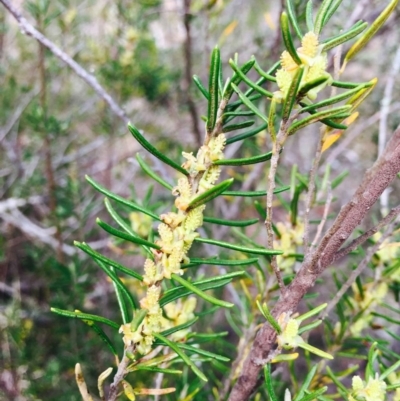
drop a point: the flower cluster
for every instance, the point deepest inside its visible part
(176, 235)
(374, 390)
(314, 62)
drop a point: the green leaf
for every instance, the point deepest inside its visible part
(370, 32)
(210, 194)
(200, 86)
(258, 251)
(183, 356)
(266, 75)
(268, 382)
(315, 395)
(268, 316)
(138, 318)
(295, 203)
(238, 103)
(155, 369)
(247, 102)
(287, 38)
(215, 66)
(239, 113)
(306, 383)
(309, 327)
(125, 236)
(389, 371)
(291, 96)
(321, 15)
(317, 117)
(179, 327)
(116, 280)
(271, 120)
(121, 222)
(334, 99)
(326, 121)
(151, 149)
(206, 284)
(202, 352)
(120, 199)
(248, 81)
(147, 169)
(347, 85)
(309, 16)
(255, 193)
(247, 134)
(236, 78)
(220, 262)
(234, 127)
(293, 19)
(100, 332)
(344, 37)
(201, 293)
(311, 313)
(312, 85)
(332, 9)
(244, 161)
(86, 248)
(86, 316)
(120, 299)
(230, 223)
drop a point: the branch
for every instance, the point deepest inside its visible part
(90, 79)
(362, 238)
(375, 181)
(356, 272)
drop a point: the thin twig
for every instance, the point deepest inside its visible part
(383, 122)
(188, 71)
(310, 194)
(276, 149)
(356, 272)
(121, 373)
(368, 234)
(323, 220)
(90, 79)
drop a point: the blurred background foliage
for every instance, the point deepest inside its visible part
(54, 129)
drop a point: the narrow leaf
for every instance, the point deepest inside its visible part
(331, 11)
(202, 352)
(221, 262)
(147, 169)
(247, 134)
(292, 94)
(125, 236)
(306, 383)
(293, 19)
(344, 37)
(326, 121)
(248, 81)
(183, 356)
(322, 12)
(267, 315)
(201, 293)
(230, 223)
(258, 251)
(212, 193)
(100, 332)
(347, 85)
(120, 199)
(182, 326)
(247, 102)
(236, 79)
(234, 127)
(312, 312)
(116, 280)
(239, 113)
(155, 369)
(268, 382)
(317, 117)
(312, 85)
(334, 99)
(200, 86)
(213, 84)
(151, 149)
(264, 74)
(244, 161)
(86, 316)
(370, 32)
(255, 193)
(86, 248)
(271, 120)
(287, 38)
(121, 301)
(309, 16)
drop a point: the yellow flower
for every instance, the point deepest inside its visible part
(374, 390)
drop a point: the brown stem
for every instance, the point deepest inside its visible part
(374, 183)
(188, 72)
(51, 183)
